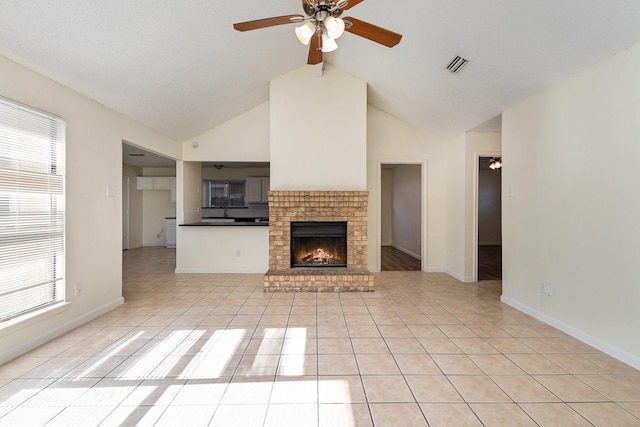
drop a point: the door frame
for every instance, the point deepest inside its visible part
(476, 186)
(423, 209)
(125, 213)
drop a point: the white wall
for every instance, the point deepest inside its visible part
(156, 206)
(477, 144)
(391, 140)
(318, 131)
(462, 156)
(135, 206)
(223, 249)
(407, 207)
(455, 202)
(93, 220)
(244, 138)
(489, 208)
(571, 205)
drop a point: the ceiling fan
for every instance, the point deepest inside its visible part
(323, 25)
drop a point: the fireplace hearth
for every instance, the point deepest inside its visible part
(333, 261)
(318, 244)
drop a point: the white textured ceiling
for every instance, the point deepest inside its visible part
(179, 67)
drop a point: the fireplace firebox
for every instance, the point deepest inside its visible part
(318, 244)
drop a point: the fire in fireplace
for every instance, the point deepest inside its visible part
(318, 244)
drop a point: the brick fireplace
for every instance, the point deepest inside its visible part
(349, 207)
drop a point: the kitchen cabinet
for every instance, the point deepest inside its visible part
(157, 183)
(144, 183)
(257, 189)
(162, 183)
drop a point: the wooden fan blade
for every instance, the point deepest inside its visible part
(315, 50)
(352, 3)
(267, 22)
(373, 32)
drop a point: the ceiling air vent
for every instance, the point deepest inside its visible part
(457, 64)
(136, 154)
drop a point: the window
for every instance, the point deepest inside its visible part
(32, 170)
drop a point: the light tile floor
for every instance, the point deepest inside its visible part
(213, 349)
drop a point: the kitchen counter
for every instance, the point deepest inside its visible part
(227, 224)
(231, 247)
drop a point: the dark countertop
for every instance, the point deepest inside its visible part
(227, 224)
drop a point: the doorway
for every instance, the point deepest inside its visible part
(489, 248)
(401, 217)
(125, 213)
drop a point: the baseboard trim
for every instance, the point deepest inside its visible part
(458, 276)
(407, 251)
(216, 270)
(44, 338)
(594, 342)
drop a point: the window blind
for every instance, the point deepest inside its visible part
(32, 168)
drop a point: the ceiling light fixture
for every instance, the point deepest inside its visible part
(305, 32)
(334, 26)
(328, 44)
(495, 163)
(323, 24)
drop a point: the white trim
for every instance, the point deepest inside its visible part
(475, 202)
(459, 277)
(386, 244)
(217, 270)
(56, 332)
(406, 251)
(597, 343)
(17, 323)
(424, 220)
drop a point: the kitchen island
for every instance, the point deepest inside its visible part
(223, 245)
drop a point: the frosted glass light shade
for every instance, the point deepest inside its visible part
(328, 44)
(334, 26)
(305, 32)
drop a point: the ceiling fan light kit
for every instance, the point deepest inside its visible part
(328, 44)
(305, 32)
(323, 25)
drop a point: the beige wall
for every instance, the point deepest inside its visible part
(390, 140)
(407, 209)
(386, 207)
(462, 156)
(94, 221)
(571, 205)
(318, 131)
(156, 206)
(244, 138)
(135, 206)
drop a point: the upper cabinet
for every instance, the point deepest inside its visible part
(144, 183)
(157, 183)
(257, 189)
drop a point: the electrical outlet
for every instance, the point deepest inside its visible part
(78, 289)
(546, 288)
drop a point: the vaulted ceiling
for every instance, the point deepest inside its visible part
(180, 68)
